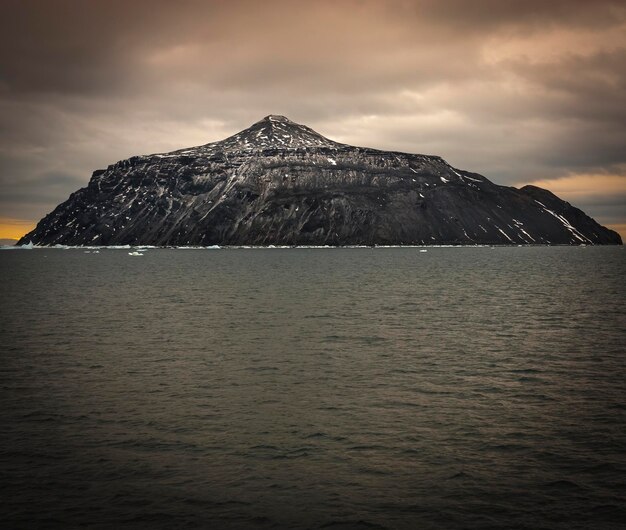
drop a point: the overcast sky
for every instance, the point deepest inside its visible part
(520, 91)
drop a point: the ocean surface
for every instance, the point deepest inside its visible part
(313, 388)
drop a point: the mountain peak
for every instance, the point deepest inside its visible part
(275, 132)
(276, 118)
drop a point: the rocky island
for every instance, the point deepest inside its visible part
(281, 183)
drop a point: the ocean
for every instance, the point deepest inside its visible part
(313, 388)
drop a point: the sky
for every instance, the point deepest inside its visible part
(522, 92)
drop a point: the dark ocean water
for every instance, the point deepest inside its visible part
(314, 388)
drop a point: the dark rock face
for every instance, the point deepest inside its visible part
(281, 183)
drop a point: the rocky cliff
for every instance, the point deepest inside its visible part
(282, 183)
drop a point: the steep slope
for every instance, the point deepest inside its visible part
(282, 183)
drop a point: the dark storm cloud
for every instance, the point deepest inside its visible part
(77, 46)
(519, 91)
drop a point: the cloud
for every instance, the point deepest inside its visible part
(518, 91)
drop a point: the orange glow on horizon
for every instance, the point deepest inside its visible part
(583, 185)
(15, 228)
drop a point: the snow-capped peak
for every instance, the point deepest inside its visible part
(279, 132)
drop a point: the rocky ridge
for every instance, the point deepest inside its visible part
(281, 183)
